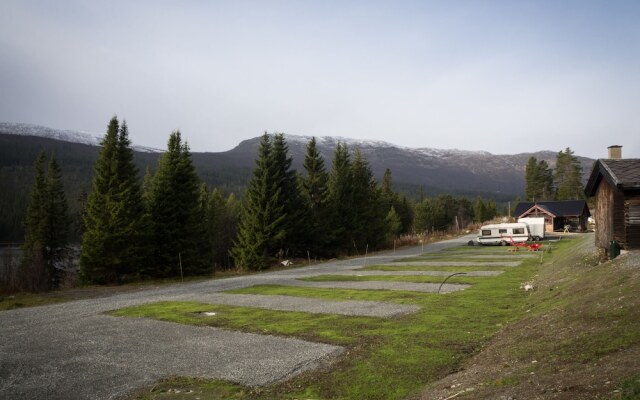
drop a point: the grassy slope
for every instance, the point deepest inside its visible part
(579, 337)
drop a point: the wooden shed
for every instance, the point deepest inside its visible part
(558, 215)
(615, 183)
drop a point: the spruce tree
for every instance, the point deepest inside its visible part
(130, 219)
(286, 180)
(340, 197)
(531, 190)
(368, 214)
(57, 223)
(314, 186)
(480, 211)
(568, 176)
(176, 214)
(34, 271)
(115, 240)
(538, 180)
(262, 223)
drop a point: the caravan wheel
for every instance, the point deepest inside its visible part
(503, 243)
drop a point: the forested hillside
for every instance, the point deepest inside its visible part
(418, 173)
(18, 154)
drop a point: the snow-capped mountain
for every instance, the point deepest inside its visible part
(436, 170)
(88, 138)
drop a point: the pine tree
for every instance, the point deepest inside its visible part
(368, 212)
(538, 180)
(130, 219)
(531, 189)
(262, 223)
(57, 223)
(480, 211)
(115, 241)
(286, 180)
(177, 221)
(34, 271)
(340, 197)
(315, 193)
(568, 176)
(394, 225)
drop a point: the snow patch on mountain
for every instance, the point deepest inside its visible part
(82, 137)
(332, 141)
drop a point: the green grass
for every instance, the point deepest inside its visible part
(21, 300)
(387, 358)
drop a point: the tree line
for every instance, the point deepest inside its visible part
(562, 183)
(170, 224)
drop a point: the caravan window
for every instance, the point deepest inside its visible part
(486, 232)
(502, 231)
(518, 231)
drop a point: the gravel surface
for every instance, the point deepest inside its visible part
(382, 285)
(453, 264)
(315, 306)
(415, 273)
(73, 351)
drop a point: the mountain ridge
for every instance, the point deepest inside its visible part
(442, 170)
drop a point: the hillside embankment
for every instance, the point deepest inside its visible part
(579, 337)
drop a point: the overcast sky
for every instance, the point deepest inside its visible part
(502, 76)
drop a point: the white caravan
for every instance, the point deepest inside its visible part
(504, 234)
(536, 226)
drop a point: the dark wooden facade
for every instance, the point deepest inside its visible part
(558, 215)
(616, 187)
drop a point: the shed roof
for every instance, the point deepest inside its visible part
(623, 174)
(564, 208)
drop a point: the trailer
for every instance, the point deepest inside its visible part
(504, 234)
(536, 227)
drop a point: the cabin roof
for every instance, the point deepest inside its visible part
(564, 208)
(623, 174)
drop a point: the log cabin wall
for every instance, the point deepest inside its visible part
(632, 220)
(619, 231)
(604, 214)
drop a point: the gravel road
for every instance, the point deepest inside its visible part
(74, 351)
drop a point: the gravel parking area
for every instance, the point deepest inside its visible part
(73, 351)
(382, 285)
(454, 264)
(415, 273)
(310, 305)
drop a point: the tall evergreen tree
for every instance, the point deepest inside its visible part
(177, 218)
(34, 271)
(368, 213)
(286, 180)
(340, 197)
(115, 240)
(314, 186)
(262, 225)
(538, 180)
(568, 176)
(57, 223)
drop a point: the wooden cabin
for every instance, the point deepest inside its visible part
(615, 183)
(566, 215)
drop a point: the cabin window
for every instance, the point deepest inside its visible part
(502, 231)
(518, 231)
(486, 232)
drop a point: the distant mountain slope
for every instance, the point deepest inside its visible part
(436, 171)
(452, 171)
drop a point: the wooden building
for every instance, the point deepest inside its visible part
(572, 215)
(615, 183)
